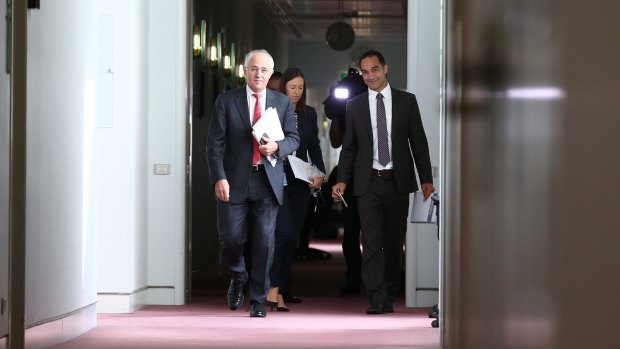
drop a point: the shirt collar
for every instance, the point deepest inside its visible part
(250, 93)
(386, 92)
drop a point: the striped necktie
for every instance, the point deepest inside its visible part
(382, 133)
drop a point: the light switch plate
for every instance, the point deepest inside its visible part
(161, 169)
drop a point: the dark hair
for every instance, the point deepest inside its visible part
(371, 53)
(275, 79)
(276, 75)
(288, 75)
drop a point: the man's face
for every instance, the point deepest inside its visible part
(374, 74)
(258, 72)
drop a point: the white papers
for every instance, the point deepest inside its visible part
(301, 169)
(268, 126)
(423, 211)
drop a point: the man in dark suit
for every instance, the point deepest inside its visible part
(247, 186)
(383, 140)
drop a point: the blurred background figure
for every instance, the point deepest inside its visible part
(335, 108)
(274, 81)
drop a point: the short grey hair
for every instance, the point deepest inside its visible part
(250, 54)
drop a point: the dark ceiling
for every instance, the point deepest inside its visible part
(309, 19)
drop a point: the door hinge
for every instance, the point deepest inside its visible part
(2, 306)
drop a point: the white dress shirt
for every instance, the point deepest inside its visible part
(252, 101)
(372, 103)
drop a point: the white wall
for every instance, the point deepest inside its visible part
(423, 79)
(141, 216)
(88, 170)
(60, 239)
(168, 93)
(4, 175)
(122, 161)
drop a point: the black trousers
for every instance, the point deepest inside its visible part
(351, 233)
(383, 217)
(289, 224)
(254, 219)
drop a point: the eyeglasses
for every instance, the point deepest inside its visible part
(255, 70)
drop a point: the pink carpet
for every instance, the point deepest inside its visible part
(323, 320)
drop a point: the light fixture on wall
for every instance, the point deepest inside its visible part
(240, 74)
(230, 60)
(197, 42)
(227, 68)
(213, 56)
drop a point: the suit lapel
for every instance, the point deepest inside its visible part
(241, 102)
(270, 102)
(396, 115)
(366, 115)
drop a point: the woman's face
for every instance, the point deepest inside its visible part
(294, 89)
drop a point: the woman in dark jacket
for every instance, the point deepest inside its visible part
(292, 213)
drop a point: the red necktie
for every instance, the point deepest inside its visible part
(257, 114)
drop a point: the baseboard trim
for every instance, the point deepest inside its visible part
(121, 303)
(62, 328)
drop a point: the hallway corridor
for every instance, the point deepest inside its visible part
(323, 320)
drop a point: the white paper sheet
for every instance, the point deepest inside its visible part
(268, 126)
(301, 169)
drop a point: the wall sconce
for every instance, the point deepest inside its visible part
(240, 74)
(197, 44)
(227, 64)
(213, 57)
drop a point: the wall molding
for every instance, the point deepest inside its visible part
(61, 328)
(128, 302)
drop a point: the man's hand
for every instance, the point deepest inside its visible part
(268, 147)
(338, 187)
(222, 190)
(427, 190)
(317, 182)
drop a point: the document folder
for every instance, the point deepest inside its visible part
(423, 211)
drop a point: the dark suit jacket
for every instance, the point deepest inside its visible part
(407, 132)
(309, 139)
(229, 142)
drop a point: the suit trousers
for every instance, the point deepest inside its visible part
(289, 224)
(254, 218)
(351, 233)
(383, 218)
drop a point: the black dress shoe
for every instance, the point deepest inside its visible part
(235, 292)
(376, 309)
(257, 310)
(291, 299)
(388, 307)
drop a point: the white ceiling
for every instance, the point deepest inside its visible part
(309, 19)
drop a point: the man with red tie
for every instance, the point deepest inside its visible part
(383, 140)
(247, 186)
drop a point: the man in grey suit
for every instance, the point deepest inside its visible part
(247, 186)
(383, 140)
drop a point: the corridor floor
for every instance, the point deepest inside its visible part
(323, 320)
